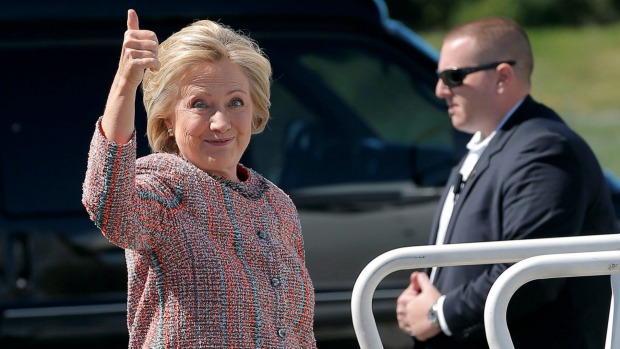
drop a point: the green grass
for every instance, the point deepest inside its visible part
(576, 72)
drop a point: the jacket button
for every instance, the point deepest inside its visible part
(282, 333)
(262, 234)
(275, 282)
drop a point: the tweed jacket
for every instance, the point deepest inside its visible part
(211, 263)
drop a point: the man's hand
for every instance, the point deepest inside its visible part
(413, 305)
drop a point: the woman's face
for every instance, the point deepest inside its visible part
(212, 119)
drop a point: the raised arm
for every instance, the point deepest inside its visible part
(139, 52)
(111, 187)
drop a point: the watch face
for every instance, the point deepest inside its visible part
(432, 316)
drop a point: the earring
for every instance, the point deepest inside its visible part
(170, 133)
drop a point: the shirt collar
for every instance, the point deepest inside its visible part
(476, 143)
(510, 112)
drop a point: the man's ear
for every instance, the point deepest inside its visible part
(505, 75)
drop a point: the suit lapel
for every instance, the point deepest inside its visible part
(495, 146)
(435, 227)
(441, 203)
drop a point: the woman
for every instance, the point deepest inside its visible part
(214, 251)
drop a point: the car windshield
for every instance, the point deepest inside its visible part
(343, 111)
(349, 111)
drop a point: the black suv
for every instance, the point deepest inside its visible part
(357, 138)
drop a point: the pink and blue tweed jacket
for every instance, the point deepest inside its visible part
(211, 263)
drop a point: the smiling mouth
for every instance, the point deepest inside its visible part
(219, 141)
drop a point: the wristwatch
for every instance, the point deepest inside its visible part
(433, 318)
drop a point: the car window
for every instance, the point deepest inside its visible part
(351, 111)
(54, 91)
(393, 101)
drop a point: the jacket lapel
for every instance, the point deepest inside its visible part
(495, 146)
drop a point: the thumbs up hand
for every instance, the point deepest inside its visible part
(139, 52)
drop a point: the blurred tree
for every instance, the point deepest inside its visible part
(422, 14)
(443, 14)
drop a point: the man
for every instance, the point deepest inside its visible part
(527, 175)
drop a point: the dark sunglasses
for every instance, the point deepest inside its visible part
(454, 77)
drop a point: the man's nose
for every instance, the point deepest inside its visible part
(441, 89)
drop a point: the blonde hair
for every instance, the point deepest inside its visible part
(199, 42)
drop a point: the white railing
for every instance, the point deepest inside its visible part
(489, 253)
(546, 267)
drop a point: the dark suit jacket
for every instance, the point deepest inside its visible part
(536, 179)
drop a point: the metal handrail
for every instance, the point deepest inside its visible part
(453, 255)
(546, 267)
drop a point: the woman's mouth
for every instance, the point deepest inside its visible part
(219, 142)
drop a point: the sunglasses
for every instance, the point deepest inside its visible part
(454, 77)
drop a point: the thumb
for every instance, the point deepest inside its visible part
(423, 281)
(132, 20)
(420, 281)
(414, 283)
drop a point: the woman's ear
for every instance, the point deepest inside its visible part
(168, 122)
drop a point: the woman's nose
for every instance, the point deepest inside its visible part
(219, 122)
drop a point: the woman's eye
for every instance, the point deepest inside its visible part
(199, 105)
(236, 103)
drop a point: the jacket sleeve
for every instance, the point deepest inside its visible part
(117, 200)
